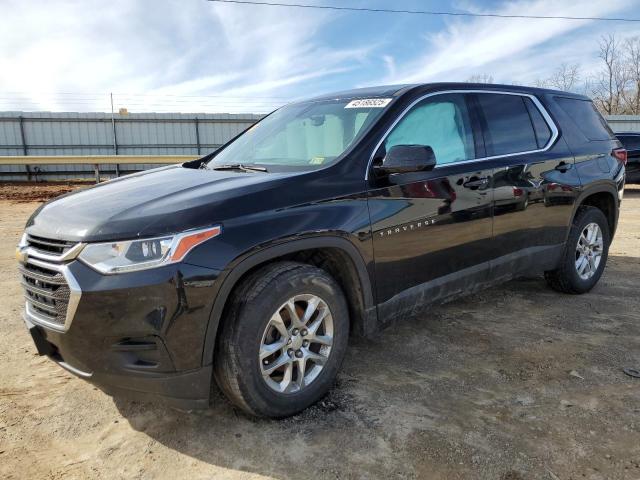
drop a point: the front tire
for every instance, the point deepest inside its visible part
(585, 253)
(283, 340)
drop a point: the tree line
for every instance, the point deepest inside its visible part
(614, 86)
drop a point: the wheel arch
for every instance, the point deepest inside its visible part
(603, 197)
(334, 254)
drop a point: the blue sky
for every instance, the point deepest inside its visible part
(194, 55)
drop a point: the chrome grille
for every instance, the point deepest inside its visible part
(46, 291)
(45, 278)
(51, 247)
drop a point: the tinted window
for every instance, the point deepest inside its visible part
(630, 142)
(440, 122)
(509, 127)
(540, 126)
(585, 116)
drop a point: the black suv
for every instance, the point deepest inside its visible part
(631, 141)
(328, 218)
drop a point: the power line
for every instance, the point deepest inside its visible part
(425, 12)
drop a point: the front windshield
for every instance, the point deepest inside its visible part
(303, 135)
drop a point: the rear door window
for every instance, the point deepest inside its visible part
(509, 127)
(584, 115)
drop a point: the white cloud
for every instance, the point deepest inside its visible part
(162, 49)
(510, 49)
(390, 64)
(201, 56)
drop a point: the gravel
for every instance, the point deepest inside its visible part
(517, 382)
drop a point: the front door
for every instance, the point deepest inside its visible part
(432, 229)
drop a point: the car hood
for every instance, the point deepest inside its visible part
(150, 203)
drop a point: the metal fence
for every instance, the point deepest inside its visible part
(45, 133)
(166, 135)
(624, 123)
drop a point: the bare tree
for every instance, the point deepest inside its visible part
(632, 64)
(615, 88)
(480, 78)
(609, 85)
(566, 77)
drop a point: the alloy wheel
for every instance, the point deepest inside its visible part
(296, 343)
(589, 251)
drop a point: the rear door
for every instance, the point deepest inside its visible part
(432, 229)
(534, 183)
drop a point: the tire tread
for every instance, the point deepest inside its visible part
(227, 371)
(560, 278)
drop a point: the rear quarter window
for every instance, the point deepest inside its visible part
(584, 115)
(540, 126)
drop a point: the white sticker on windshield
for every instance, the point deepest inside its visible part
(368, 103)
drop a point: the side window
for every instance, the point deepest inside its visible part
(441, 122)
(509, 126)
(540, 126)
(584, 114)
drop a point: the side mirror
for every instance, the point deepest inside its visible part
(407, 159)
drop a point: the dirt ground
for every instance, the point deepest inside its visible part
(23, 192)
(517, 382)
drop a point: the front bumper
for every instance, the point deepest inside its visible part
(139, 335)
(185, 390)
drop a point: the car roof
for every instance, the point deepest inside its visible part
(401, 89)
(378, 91)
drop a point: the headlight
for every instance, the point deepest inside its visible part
(131, 255)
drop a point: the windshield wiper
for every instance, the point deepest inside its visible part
(239, 166)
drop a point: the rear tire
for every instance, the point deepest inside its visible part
(267, 314)
(585, 253)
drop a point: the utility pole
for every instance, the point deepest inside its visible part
(113, 128)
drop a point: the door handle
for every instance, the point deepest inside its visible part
(563, 167)
(476, 182)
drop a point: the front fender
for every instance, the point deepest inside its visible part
(246, 262)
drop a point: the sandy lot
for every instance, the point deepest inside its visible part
(518, 382)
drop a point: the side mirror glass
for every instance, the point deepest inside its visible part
(407, 159)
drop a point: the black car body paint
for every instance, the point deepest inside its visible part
(631, 141)
(407, 240)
